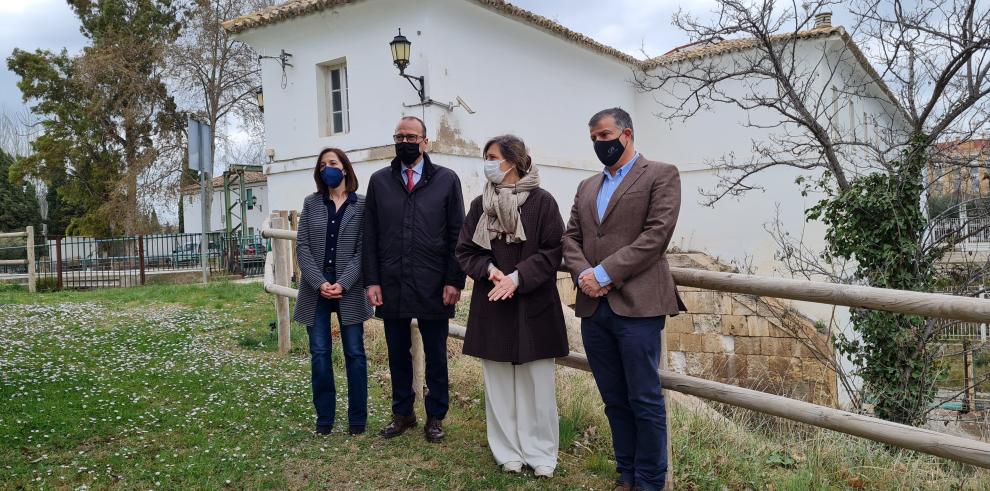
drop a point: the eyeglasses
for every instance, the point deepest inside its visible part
(407, 138)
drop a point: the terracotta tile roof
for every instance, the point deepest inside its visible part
(692, 51)
(696, 51)
(296, 8)
(217, 182)
(968, 147)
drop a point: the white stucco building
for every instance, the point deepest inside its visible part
(519, 73)
(256, 193)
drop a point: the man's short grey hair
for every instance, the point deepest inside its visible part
(622, 119)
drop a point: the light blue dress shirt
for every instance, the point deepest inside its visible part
(417, 172)
(609, 185)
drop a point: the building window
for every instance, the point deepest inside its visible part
(333, 101)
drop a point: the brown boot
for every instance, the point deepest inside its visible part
(622, 486)
(433, 431)
(398, 426)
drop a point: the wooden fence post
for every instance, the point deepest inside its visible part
(294, 224)
(419, 362)
(32, 272)
(281, 249)
(666, 398)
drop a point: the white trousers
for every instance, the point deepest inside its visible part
(521, 412)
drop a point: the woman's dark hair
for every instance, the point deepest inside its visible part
(514, 150)
(350, 180)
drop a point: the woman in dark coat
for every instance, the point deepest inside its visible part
(510, 245)
(328, 247)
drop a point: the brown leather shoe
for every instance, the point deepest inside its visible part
(433, 430)
(622, 486)
(398, 426)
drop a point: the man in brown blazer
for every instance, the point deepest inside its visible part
(614, 246)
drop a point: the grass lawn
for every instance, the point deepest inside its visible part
(178, 387)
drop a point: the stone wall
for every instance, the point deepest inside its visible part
(753, 342)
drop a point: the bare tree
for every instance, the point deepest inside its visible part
(17, 129)
(922, 69)
(217, 76)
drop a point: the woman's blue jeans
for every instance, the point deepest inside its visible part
(355, 363)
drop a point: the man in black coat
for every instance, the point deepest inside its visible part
(413, 215)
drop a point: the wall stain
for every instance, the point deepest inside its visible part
(449, 141)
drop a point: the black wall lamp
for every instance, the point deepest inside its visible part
(401, 48)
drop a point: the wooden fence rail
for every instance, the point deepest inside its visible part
(951, 447)
(900, 301)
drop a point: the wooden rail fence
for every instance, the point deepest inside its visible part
(28, 235)
(965, 450)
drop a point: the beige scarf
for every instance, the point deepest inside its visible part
(500, 210)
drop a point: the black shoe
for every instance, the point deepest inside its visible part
(398, 426)
(323, 429)
(355, 430)
(433, 431)
(621, 485)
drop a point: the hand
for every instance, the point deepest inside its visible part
(601, 292)
(504, 289)
(495, 275)
(590, 286)
(451, 295)
(333, 292)
(375, 295)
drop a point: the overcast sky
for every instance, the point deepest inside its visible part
(30, 25)
(629, 25)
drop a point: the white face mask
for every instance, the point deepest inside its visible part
(493, 171)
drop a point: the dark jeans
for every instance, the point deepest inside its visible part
(399, 340)
(624, 354)
(355, 363)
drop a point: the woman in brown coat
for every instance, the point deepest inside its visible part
(510, 245)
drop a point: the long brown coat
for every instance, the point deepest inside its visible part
(530, 325)
(630, 242)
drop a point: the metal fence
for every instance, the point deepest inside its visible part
(974, 233)
(81, 262)
(955, 332)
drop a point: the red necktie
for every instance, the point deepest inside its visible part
(409, 180)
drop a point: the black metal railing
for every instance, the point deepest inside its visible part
(80, 262)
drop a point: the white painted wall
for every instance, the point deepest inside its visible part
(192, 214)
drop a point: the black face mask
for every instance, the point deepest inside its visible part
(609, 151)
(407, 152)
